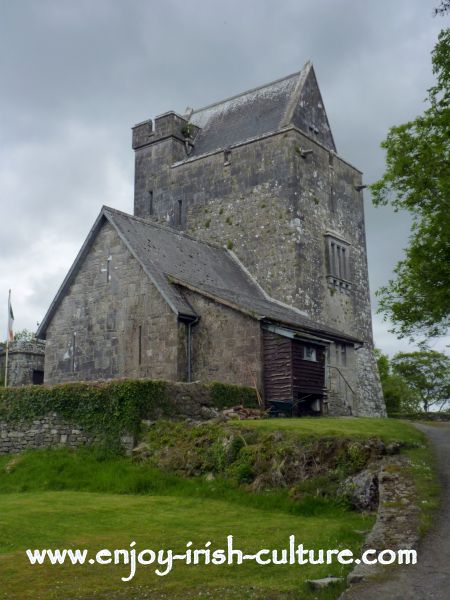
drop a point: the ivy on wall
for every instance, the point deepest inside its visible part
(106, 409)
(225, 395)
(109, 409)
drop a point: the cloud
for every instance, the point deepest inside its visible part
(77, 75)
(52, 195)
(390, 345)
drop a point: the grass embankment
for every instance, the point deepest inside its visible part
(415, 443)
(388, 430)
(88, 470)
(123, 502)
(86, 499)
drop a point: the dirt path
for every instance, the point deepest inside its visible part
(429, 579)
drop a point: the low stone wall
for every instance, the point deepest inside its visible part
(179, 401)
(396, 527)
(46, 432)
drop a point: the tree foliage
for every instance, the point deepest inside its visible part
(398, 395)
(427, 373)
(417, 178)
(24, 335)
(443, 8)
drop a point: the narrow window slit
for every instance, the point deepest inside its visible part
(140, 345)
(150, 203)
(108, 268)
(74, 348)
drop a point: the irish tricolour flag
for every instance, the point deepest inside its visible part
(10, 320)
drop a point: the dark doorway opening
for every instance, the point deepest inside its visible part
(38, 377)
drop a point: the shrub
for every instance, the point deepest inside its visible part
(225, 395)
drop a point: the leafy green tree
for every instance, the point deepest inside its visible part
(24, 335)
(427, 372)
(417, 179)
(398, 395)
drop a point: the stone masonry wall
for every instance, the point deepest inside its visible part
(44, 432)
(341, 400)
(226, 344)
(95, 332)
(274, 207)
(184, 401)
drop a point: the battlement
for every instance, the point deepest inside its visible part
(167, 125)
(25, 347)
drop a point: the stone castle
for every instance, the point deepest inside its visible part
(244, 262)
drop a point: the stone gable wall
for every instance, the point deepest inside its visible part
(105, 317)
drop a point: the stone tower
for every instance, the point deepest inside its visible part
(25, 362)
(260, 174)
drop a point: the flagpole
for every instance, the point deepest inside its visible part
(6, 362)
(7, 339)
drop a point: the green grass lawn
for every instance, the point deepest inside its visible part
(86, 499)
(96, 521)
(388, 430)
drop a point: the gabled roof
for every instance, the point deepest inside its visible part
(174, 261)
(292, 100)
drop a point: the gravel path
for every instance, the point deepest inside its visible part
(429, 579)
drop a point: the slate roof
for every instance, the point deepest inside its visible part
(173, 261)
(249, 115)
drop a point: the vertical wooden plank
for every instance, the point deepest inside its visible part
(277, 354)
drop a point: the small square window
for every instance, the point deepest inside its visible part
(309, 353)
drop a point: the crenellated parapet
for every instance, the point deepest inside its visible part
(167, 125)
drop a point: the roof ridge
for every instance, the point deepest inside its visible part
(295, 96)
(164, 228)
(255, 89)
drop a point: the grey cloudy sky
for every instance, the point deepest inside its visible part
(76, 75)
